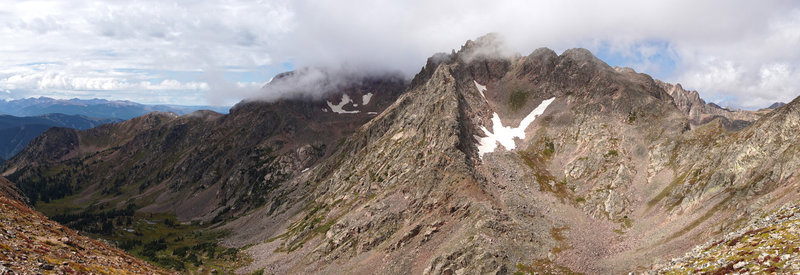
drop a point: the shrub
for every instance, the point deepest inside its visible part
(517, 99)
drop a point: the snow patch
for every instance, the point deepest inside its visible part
(324, 110)
(338, 108)
(372, 113)
(304, 170)
(365, 98)
(505, 135)
(481, 88)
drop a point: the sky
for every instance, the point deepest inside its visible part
(744, 54)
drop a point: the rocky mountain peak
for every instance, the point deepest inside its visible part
(489, 46)
(415, 179)
(315, 83)
(486, 163)
(203, 164)
(581, 55)
(333, 95)
(487, 57)
(543, 53)
(699, 112)
(776, 105)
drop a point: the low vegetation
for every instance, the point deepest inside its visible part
(767, 246)
(518, 98)
(157, 238)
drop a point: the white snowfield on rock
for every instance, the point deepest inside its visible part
(505, 135)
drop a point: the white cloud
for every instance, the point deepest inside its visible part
(751, 72)
(67, 79)
(740, 52)
(83, 43)
(718, 47)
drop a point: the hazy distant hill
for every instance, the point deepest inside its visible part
(16, 132)
(776, 105)
(93, 107)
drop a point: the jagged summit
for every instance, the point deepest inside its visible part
(582, 55)
(486, 162)
(699, 112)
(490, 46)
(413, 180)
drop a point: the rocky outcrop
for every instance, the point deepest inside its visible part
(366, 205)
(606, 180)
(766, 245)
(9, 190)
(409, 192)
(32, 244)
(201, 164)
(600, 170)
(699, 112)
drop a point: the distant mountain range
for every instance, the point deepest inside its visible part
(16, 132)
(483, 163)
(101, 108)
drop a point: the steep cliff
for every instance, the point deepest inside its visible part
(699, 112)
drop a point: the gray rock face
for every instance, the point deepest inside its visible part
(607, 180)
(199, 165)
(618, 173)
(766, 245)
(699, 112)
(411, 181)
(9, 190)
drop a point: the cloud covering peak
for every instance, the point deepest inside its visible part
(739, 53)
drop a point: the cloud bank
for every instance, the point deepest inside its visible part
(738, 53)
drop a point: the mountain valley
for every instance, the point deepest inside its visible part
(484, 162)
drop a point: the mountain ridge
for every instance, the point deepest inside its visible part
(607, 179)
(345, 230)
(700, 112)
(100, 108)
(610, 198)
(16, 132)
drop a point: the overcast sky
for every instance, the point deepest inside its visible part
(737, 53)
